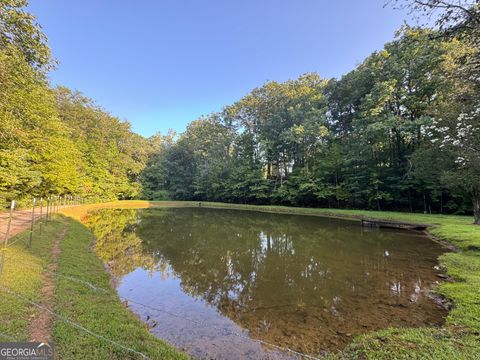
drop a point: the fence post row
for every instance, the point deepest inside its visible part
(53, 204)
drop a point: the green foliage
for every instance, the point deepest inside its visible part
(111, 156)
(19, 29)
(401, 131)
(31, 134)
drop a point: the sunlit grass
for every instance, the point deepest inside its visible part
(78, 212)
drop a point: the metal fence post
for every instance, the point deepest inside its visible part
(12, 208)
(47, 209)
(31, 225)
(41, 214)
(7, 233)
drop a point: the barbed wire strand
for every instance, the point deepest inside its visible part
(72, 323)
(16, 241)
(10, 244)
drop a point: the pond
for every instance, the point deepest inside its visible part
(224, 283)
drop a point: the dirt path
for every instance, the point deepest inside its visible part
(41, 326)
(21, 221)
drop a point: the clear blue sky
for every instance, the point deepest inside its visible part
(162, 63)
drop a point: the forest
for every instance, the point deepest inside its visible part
(401, 131)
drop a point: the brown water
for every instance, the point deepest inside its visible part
(214, 282)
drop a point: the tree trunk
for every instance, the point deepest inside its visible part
(476, 207)
(410, 200)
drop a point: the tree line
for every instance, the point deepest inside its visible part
(55, 141)
(399, 132)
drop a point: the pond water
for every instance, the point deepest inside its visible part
(217, 283)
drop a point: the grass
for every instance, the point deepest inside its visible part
(103, 313)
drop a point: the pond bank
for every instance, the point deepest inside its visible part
(103, 312)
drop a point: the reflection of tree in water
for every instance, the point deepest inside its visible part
(116, 241)
(302, 282)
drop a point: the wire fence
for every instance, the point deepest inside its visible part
(164, 311)
(41, 209)
(41, 212)
(16, 220)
